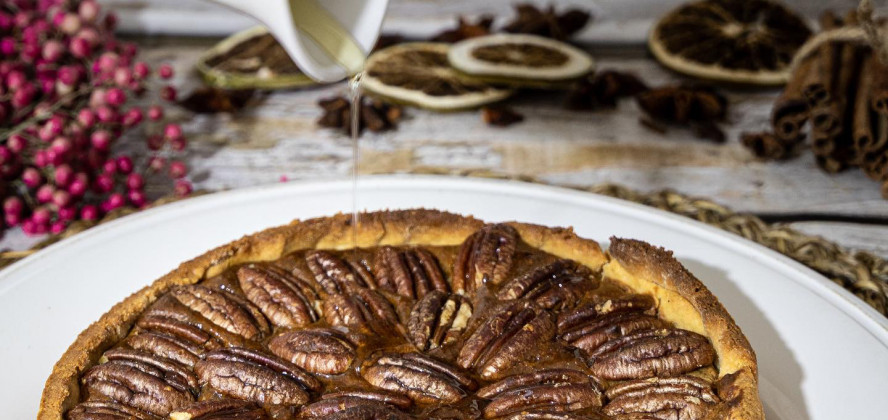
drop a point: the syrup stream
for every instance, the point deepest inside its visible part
(354, 86)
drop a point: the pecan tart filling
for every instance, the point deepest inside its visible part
(482, 321)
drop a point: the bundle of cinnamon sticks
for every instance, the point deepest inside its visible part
(842, 91)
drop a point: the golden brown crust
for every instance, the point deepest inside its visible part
(684, 300)
(643, 264)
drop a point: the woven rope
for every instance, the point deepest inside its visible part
(863, 273)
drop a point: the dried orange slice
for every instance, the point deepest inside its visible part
(520, 60)
(250, 59)
(418, 74)
(739, 41)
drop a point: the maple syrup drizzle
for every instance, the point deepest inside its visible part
(354, 86)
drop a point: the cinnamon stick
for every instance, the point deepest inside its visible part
(879, 96)
(826, 114)
(862, 123)
(845, 94)
(790, 110)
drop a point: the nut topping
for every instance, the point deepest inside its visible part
(608, 327)
(423, 379)
(362, 309)
(505, 339)
(683, 397)
(330, 404)
(140, 385)
(286, 300)
(174, 373)
(411, 272)
(166, 346)
(254, 376)
(438, 319)
(555, 285)
(224, 309)
(107, 410)
(227, 409)
(648, 353)
(366, 412)
(546, 391)
(591, 311)
(336, 275)
(484, 256)
(321, 350)
(171, 326)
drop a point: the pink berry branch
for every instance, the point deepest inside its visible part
(67, 96)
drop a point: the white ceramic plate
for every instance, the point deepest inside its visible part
(823, 354)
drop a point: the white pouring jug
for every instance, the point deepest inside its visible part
(327, 39)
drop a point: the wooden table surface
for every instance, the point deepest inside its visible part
(277, 136)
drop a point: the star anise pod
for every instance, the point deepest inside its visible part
(500, 116)
(547, 23)
(766, 145)
(209, 100)
(465, 30)
(603, 89)
(695, 106)
(374, 115)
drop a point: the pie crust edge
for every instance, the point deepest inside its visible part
(643, 267)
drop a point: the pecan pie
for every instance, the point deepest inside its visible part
(414, 314)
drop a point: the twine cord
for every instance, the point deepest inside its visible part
(869, 32)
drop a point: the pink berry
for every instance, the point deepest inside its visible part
(40, 159)
(156, 163)
(155, 142)
(31, 177)
(110, 166)
(115, 96)
(89, 212)
(61, 198)
(165, 71)
(123, 76)
(97, 98)
(86, 117)
(106, 114)
(12, 219)
(70, 24)
(177, 169)
(63, 175)
(124, 164)
(135, 182)
(29, 227)
(57, 227)
(168, 93)
(16, 80)
(141, 70)
(77, 187)
(89, 34)
(115, 200)
(104, 183)
(88, 10)
(67, 213)
(178, 144)
(6, 155)
(41, 215)
(13, 205)
(52, 50)
(79, 47)
(132, 116)
(155, 112)
(8, 46)
(172, 131)
(68, 75)
(182, 187)
(136, 197)
(23, 96)
(283, 178)
(100, 139)
(107, 62)
(44, 193)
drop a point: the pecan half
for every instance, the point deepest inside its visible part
(506, 338)
(438, 319)
(136, 383)
(336, 275)
(330, 404)
(553, 286)
(648, 353)
(608, 327)
(683, 397)
(227, 310)
(423, 379)
(226, 409)
(362, 309)
(254, 376)
(286, 300)
(590, 312)
(107, 410)
(320, 350)
(410, 272)
(166, 346)
(174, 373)
(178, 326)
(545, 391)
(368, 412)
(486, 256)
